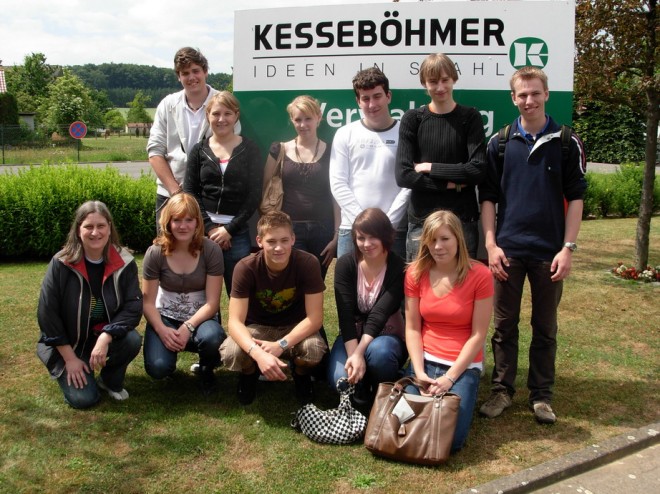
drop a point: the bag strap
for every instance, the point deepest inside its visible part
(280, 160)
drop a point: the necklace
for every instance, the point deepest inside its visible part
(316, 150)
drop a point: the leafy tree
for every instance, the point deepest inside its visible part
(617, 62)
(8, 109)
(136, 112)
(114, 120)
(30, 82)
(611, 133)
(69, 100)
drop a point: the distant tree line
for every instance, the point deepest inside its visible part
(91, 93)
(121, 81)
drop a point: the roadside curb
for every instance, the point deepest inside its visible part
(572, 464)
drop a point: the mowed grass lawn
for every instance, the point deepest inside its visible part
(92, 150)
(168, 438)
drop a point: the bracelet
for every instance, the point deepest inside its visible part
(252, 348)
(449, 378)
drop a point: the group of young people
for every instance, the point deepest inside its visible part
(382, 192)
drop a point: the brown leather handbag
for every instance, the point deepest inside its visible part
(411, 428)
(274, 190)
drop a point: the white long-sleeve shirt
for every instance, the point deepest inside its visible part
(362, 172)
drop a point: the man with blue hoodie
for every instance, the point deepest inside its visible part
(538, 186)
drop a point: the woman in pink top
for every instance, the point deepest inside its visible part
(449, 302)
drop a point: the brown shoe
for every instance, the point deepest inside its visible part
(496, 404)
(543, 412)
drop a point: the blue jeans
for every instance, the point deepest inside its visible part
(470, 232)
(313, 237)
(159, 362)
(546, 295)
(241, 245)
(467, 387)
(121, 352)
(345, 242)
(384, 356)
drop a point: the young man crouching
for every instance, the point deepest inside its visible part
(275, 312)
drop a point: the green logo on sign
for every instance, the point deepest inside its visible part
(528, 51)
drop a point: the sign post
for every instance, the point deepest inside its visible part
(78, 130)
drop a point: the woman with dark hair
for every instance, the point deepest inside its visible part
(370, 348)
(449, 302)
(89, 306)
(224, 173)
(182, 283)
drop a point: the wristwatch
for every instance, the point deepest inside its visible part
(572, 246)
(190, 327)
(283, 344)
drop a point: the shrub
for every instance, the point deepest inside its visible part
(37, 207)
(617, 194)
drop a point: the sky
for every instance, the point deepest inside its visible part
(145, 32)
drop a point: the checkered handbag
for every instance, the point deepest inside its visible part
(341, 425)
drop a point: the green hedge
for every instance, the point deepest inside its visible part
(617, 194)
(37, 204)
(37, 207)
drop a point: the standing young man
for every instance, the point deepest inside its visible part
(535, 238)
(179, 123)
(275, 312)
(362, 161)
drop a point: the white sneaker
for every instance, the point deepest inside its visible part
(194, 368)
(115, 395)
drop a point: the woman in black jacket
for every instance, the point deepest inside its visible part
(369, 292)
(225, 174)
(89, 306)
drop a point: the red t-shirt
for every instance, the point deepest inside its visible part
(447, 320)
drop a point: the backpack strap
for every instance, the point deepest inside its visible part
(502, 138)
(566, 133)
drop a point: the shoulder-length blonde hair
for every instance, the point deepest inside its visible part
(424, 260)
(179, 206)
(73, 251)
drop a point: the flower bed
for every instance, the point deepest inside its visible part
(648, 275)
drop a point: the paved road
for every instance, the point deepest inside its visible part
(635, 473)
(135, 168)
(132, 168)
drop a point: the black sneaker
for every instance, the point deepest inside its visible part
(304, 388)
(207, 379)
(247, 388)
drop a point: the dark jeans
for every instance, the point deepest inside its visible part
(160, 204)
(470, 232)
(546, 295)
(121, 352)
(384, 356)
(159, 362)
(240, 248)
(312, 237)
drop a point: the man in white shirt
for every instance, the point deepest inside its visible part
(363, 158)
(179, 123)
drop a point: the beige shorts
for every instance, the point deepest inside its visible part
(304, 354)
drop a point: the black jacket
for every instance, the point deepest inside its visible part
(388, 301)
(65, 300)
(237, 192)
